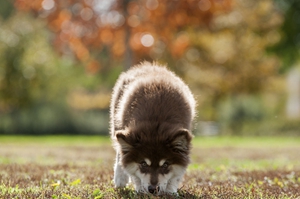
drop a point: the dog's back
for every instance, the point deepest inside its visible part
(151, 93)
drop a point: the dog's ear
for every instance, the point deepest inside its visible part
(181, 141)
(123, 141)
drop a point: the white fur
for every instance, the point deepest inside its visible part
(120, 177)
(145, 181)
(148, 161)
(175, 179)
(162, 162)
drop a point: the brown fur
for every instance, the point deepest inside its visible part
(151, 115)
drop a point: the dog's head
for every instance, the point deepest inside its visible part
(155, 159)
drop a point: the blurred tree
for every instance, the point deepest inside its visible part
(30, 72)
(229, 58)
(129, 29)
(6, 8)
(288, 47)
(218, 45)
(35, 83)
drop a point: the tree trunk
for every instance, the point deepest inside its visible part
(128, 56)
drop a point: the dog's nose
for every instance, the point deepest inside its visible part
(153, 189)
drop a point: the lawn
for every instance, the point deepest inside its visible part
(81, 167)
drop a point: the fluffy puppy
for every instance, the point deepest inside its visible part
(151, 116)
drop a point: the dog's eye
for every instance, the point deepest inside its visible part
(165, 165)
(144, 164)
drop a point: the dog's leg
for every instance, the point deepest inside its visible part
(173, 185)
(137, 184)
(176, 180)
(120, 177)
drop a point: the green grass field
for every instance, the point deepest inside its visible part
(81, 167)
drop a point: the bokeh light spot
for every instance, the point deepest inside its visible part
(29, 72)
(147, 40)
(86, 14)
(152, 4)
(204, 5)
(48, 4)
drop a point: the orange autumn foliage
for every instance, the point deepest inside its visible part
(83, 26)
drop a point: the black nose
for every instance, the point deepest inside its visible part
(153, 189)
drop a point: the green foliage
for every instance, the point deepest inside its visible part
(288, 47)
(30, 70)
(236, 111)
(35, 83)
(6, 8)
(229, 58)
(43, 119)
(28, 64)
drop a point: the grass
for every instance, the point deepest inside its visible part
(56, 140)
(197, 141)
(233, 141)
(81, 167)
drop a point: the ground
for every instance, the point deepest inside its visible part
(81, 167)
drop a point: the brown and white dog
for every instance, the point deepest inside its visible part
(151, 118)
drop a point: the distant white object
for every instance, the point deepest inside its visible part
(293, 88)
(207, 128)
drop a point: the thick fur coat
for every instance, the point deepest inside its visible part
(151, 118)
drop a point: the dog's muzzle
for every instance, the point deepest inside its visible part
(153, 189)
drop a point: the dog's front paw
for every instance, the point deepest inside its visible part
(121, 181)
(121, 178)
